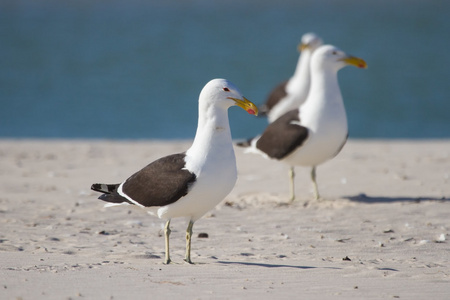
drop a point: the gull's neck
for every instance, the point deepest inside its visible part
(213, 132)
(325, 86)
(300, 81)
(323, 110)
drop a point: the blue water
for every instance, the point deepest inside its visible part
(134, 69)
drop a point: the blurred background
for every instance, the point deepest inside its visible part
(134, 69)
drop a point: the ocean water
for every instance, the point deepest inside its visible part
(134, 69)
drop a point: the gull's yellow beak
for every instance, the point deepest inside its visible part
(246, 104)
(355, 61)
(301, 47)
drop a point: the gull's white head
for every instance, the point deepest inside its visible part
(310, 41)
(223, 93)
(332, 58)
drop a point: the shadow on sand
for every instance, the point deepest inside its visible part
(363, 198)
(272, 265)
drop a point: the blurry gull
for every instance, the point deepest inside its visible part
(317, 130)
(291, 93)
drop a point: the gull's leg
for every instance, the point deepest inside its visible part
(316, 188)
(188, 242)
(291, 183)
(166, 236)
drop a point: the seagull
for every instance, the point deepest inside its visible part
(291, 93)
(317, 130)
(191, 183)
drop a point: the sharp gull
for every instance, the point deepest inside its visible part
(191, 183)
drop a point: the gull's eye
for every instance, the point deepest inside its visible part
(334, 52)
(226, 89)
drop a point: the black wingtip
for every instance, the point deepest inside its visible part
(104, 188)
(244, 144)
(263, 110)
(96, 187)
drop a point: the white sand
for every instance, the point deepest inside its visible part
(386, 207)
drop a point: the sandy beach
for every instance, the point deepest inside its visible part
(381, 230)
